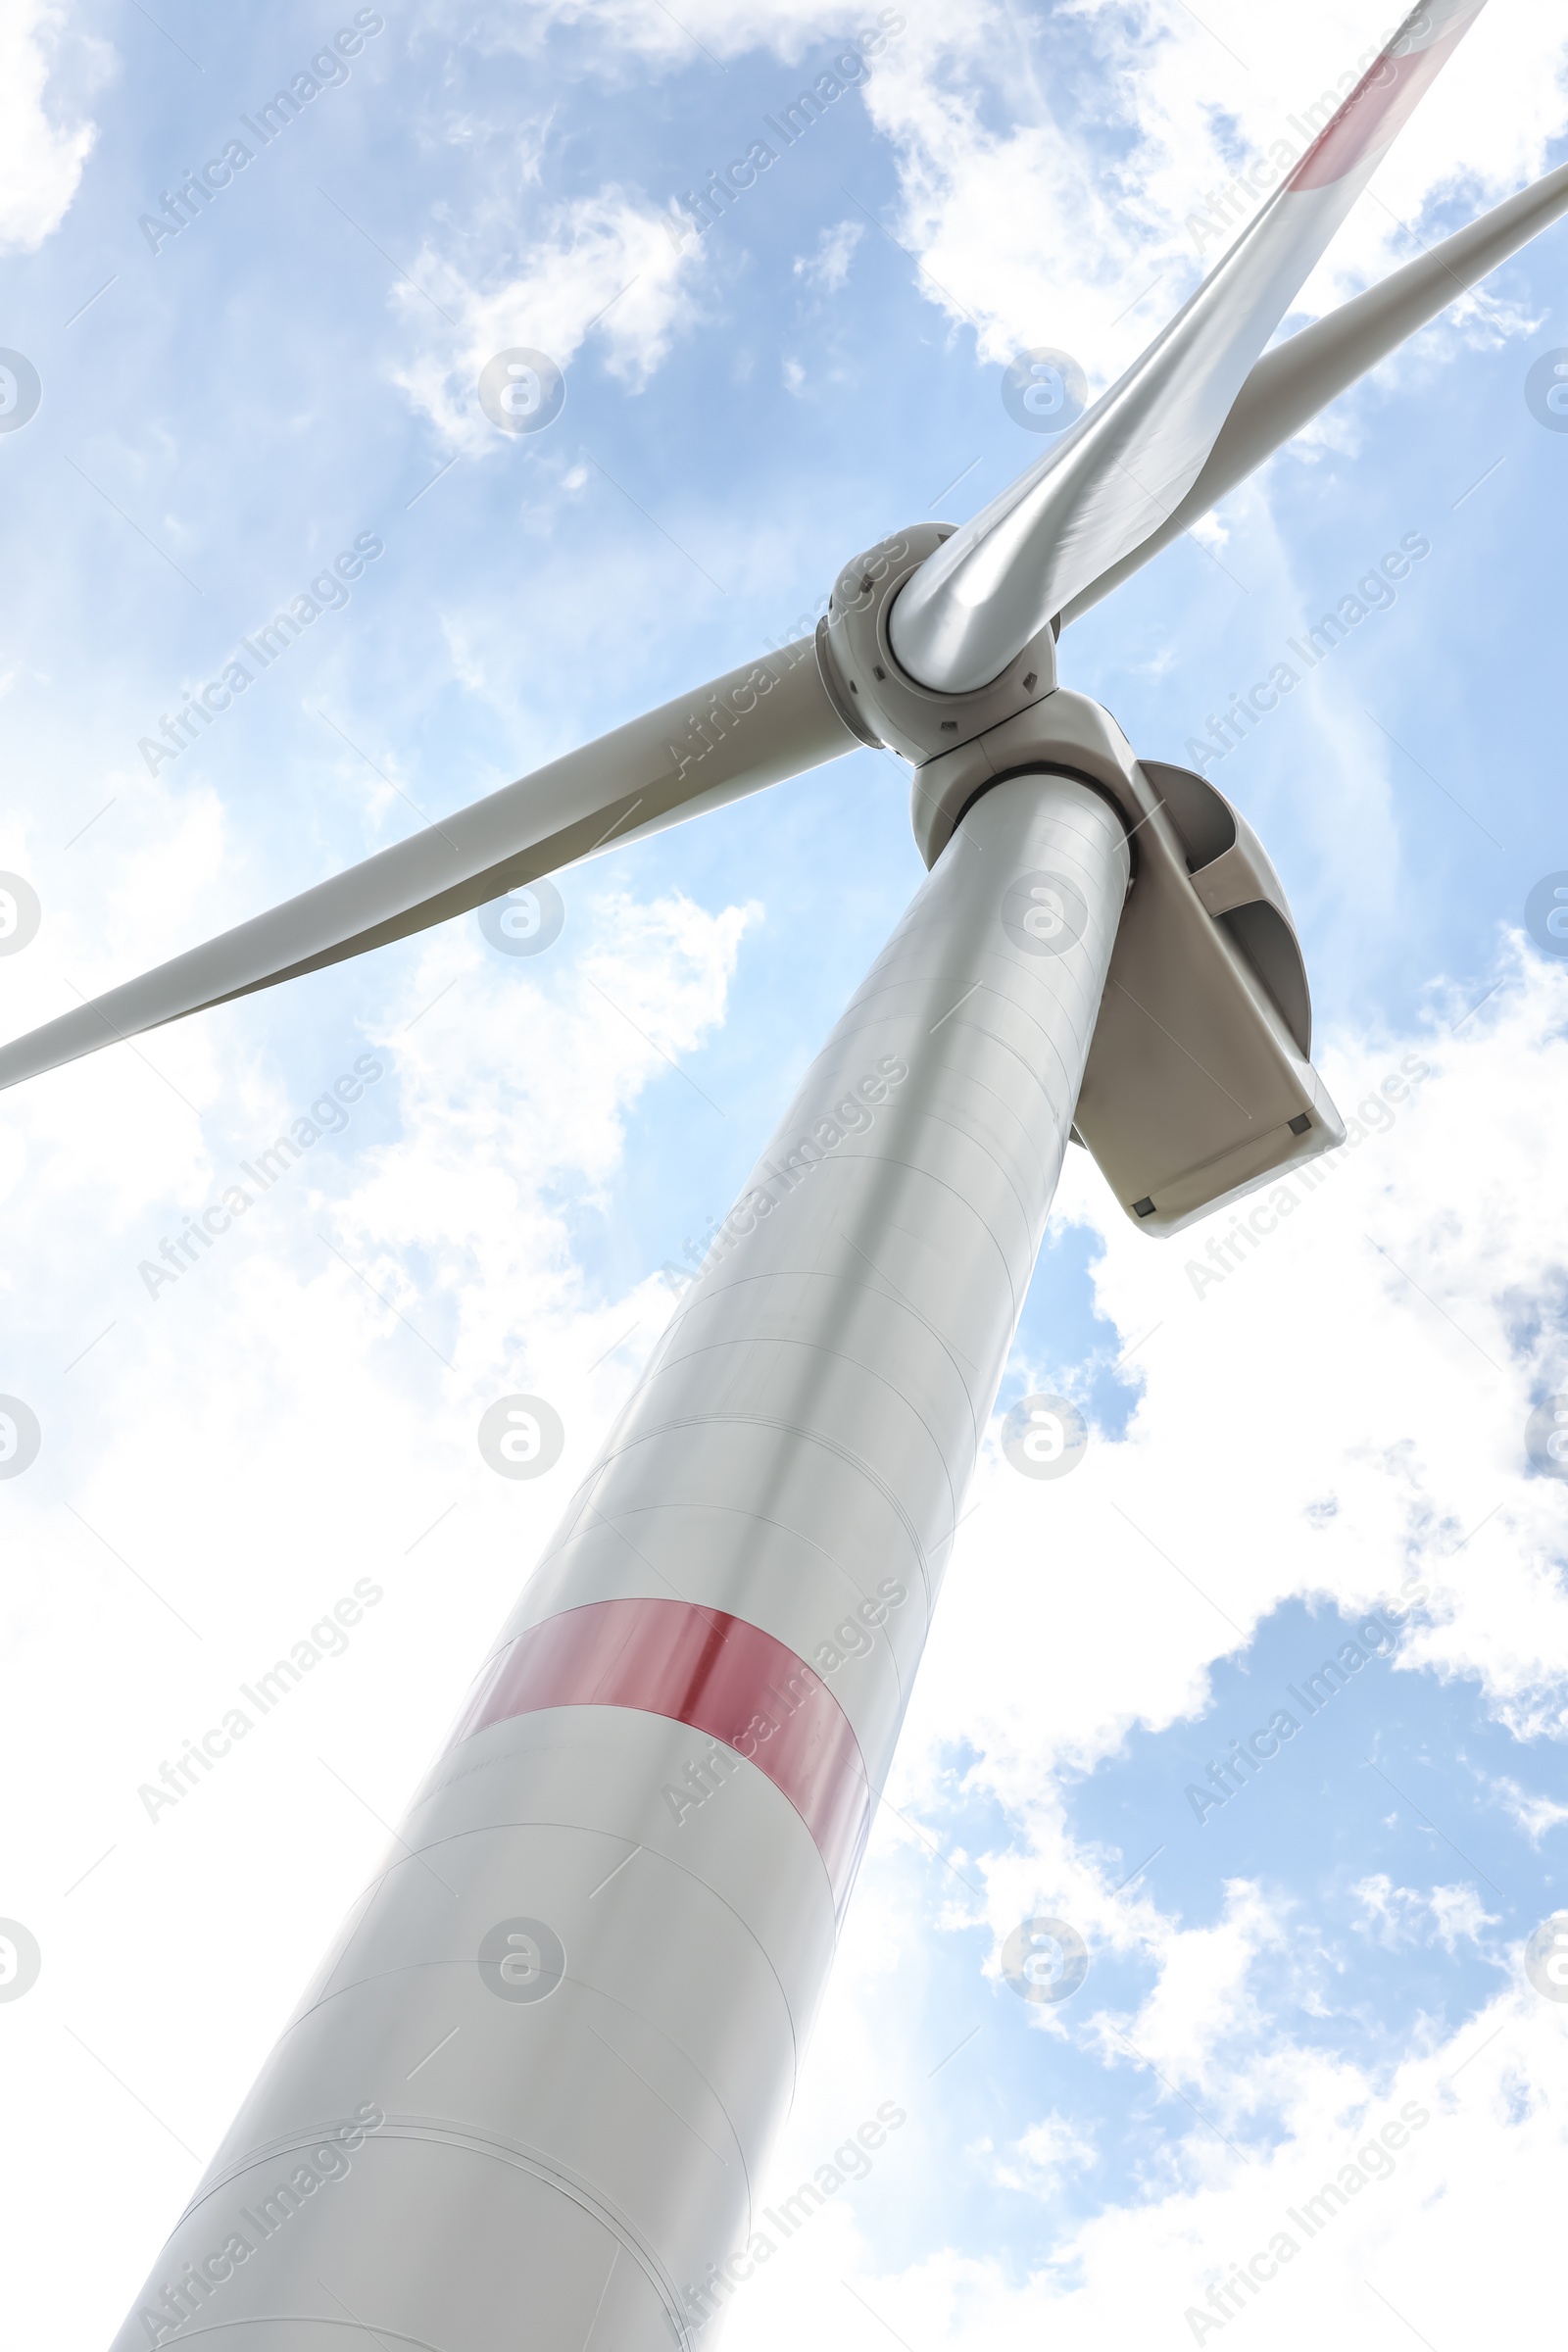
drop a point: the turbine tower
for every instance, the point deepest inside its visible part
(615, 1898)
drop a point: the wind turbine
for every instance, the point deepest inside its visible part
(615, 1898)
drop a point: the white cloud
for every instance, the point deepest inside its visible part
(1057, 187)
(1534, 1812)
(1392, 2244)
(1392, 1913)
(1428, 1232)
(41, 157)
(1051, 202)
(1458, 1912)
(1052, 2145)
(605, 264)
(1202, 2003)
(666, 41)
(1399, 1915)
(1066, 203)
(616, 263)
(829, 267)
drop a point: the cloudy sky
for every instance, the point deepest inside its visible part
(1327, 1422)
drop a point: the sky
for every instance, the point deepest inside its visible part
(1330, 1433)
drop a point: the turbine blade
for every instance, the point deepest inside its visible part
(1289, 386)
(750, 728)
(1115, 475)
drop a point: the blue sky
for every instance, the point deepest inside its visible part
(1341, 1420)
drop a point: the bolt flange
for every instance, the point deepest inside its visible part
(880, 701)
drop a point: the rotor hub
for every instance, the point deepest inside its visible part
(877, 697)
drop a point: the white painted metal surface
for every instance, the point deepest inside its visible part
(1199, 1085)
(752, 727)
(1298, 380)
(1114, 476)
(530, 2097)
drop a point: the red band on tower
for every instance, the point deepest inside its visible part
(725, 1678)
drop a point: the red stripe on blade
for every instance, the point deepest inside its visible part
(1380, 105)
(725, 1678)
